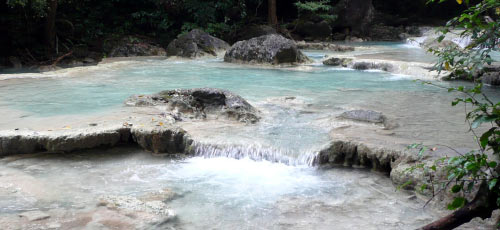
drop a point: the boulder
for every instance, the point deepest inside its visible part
(367, 65)
(491, 78)
(268, 49)
(364, 115)
(199, 104)
(344, 62)
(196, 43)
(314, 30)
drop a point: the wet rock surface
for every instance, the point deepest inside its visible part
(491, 78)
(344, 62)
(155, 139)
(196, 43)
(200, 103)
(362, 65)
(268, 49)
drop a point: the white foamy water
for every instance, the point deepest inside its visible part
(243, 176)
(210, 193)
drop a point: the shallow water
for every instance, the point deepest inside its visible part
(279, 192)
(216, 193)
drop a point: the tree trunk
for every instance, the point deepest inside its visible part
(272, 18)
(482, 206)
(50, 25)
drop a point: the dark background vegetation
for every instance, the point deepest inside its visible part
(95, 24)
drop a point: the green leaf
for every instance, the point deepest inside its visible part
(492, 183)
(456, 203)
(470, 186)
(404, 185)
(492, 164)
(471, 166)
(485, 137)
(456, 188)
(423, 187)
(482, 119)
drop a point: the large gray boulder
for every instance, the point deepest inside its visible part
(199, 104)
(491, 78)
(196, 43)
(268, 49)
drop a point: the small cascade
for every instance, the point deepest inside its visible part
(462, 41)
(255, 152)
(415, 42)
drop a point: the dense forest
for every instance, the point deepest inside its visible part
(38, 32)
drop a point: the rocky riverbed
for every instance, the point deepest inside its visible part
(276, 121)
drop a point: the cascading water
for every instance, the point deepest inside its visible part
(243, 176)
(257, 153)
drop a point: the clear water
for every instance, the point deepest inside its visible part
(226, 193)
(107, 88)
(217, 193)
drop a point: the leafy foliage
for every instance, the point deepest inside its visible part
(481, 24)
(465, 172)
(321, 8)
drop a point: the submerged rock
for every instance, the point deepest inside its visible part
(199, 104)
(196, 43)
(364, 115)
(344, 62)
(35, 215)
(142, 214)
(268, 49)
(131, 203)
(364, 65)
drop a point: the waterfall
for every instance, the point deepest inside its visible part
(255, 152)
(430, 35)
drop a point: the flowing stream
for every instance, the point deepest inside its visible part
(253, 177)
